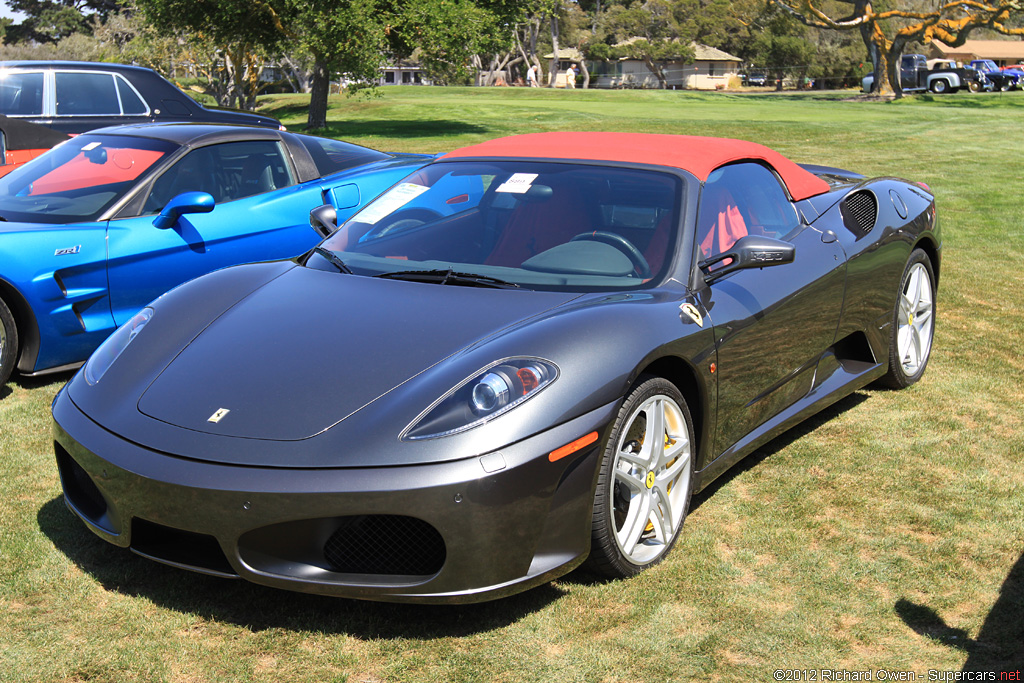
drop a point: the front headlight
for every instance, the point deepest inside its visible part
(493, 391)
(107, 353)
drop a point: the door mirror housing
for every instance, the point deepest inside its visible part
(751, 251)
(186, 202)
(324, 219)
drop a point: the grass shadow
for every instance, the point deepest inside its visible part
(260, 608)
(778, 443)
(402, 129)
(999, 646)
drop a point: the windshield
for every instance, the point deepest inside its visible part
(532, 224)
(79, 179)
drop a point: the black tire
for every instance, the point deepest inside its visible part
(974, 86)
(940, 86)
(625, 488)
(913, 323)
(8, 343)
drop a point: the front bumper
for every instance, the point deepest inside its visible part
(463, 531)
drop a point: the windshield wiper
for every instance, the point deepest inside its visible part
(449, 277)
(333, 258)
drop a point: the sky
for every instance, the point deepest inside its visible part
(6, 11)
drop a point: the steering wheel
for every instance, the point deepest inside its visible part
(402, 220)
(622, 244)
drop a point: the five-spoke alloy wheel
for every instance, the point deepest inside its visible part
(913, 324)
(644, 486)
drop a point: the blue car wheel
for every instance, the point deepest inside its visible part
(8, 343)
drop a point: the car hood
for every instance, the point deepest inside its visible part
(312, 348)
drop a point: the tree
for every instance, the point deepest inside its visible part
(887, 32)
(48, 21)
(350, 38)
(654, 31)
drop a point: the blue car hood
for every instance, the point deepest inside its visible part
(313, 347)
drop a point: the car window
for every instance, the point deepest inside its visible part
(86, 94)
(331, 156)
(79, 179)
(228, 171)
(739, 200)
(131, 103)
(21, 93)
(542, 225)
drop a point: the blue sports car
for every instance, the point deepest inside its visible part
(93, 230)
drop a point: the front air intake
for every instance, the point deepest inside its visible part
(385, 544)
(859, 211)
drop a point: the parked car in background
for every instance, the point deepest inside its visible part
(916, 76)
(1004, 80)
(756, 79)
(74, 97)
(469, 405)
(21, 141)
(96, 228)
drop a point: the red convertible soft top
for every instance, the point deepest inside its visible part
(698, 155)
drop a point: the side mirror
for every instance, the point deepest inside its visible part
(752, 251)
(186, 202)
(324, 219)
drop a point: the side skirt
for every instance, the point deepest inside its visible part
(846, 377)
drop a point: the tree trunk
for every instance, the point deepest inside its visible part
(893, 69)
(321, 85)
(586, 74)
(553, 67)
(658, 72)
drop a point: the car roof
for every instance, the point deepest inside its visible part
(83, 66)
(695, 154)
(183, 133)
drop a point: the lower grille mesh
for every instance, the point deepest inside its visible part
(385, 544)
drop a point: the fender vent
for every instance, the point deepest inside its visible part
(859, 211)
(385, 544)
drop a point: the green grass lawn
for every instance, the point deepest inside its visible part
(886, 533)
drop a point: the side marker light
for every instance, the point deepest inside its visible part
(570, 448)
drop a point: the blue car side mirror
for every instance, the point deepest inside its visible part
(186, 202)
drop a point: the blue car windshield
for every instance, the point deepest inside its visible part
(79, 179)
(537, 225)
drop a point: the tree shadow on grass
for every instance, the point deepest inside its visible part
(391, 128)
(999, 646)
(259, 608)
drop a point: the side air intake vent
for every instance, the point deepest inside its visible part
(859, 211)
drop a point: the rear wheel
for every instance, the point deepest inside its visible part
(8, 343)
(913, 323)
(645, 482)
(940, 86)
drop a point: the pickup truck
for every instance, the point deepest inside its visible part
(915, 76)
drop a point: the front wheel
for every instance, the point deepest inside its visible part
(974, 86)
(8, 343)
(644, 486)
(913, 323)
